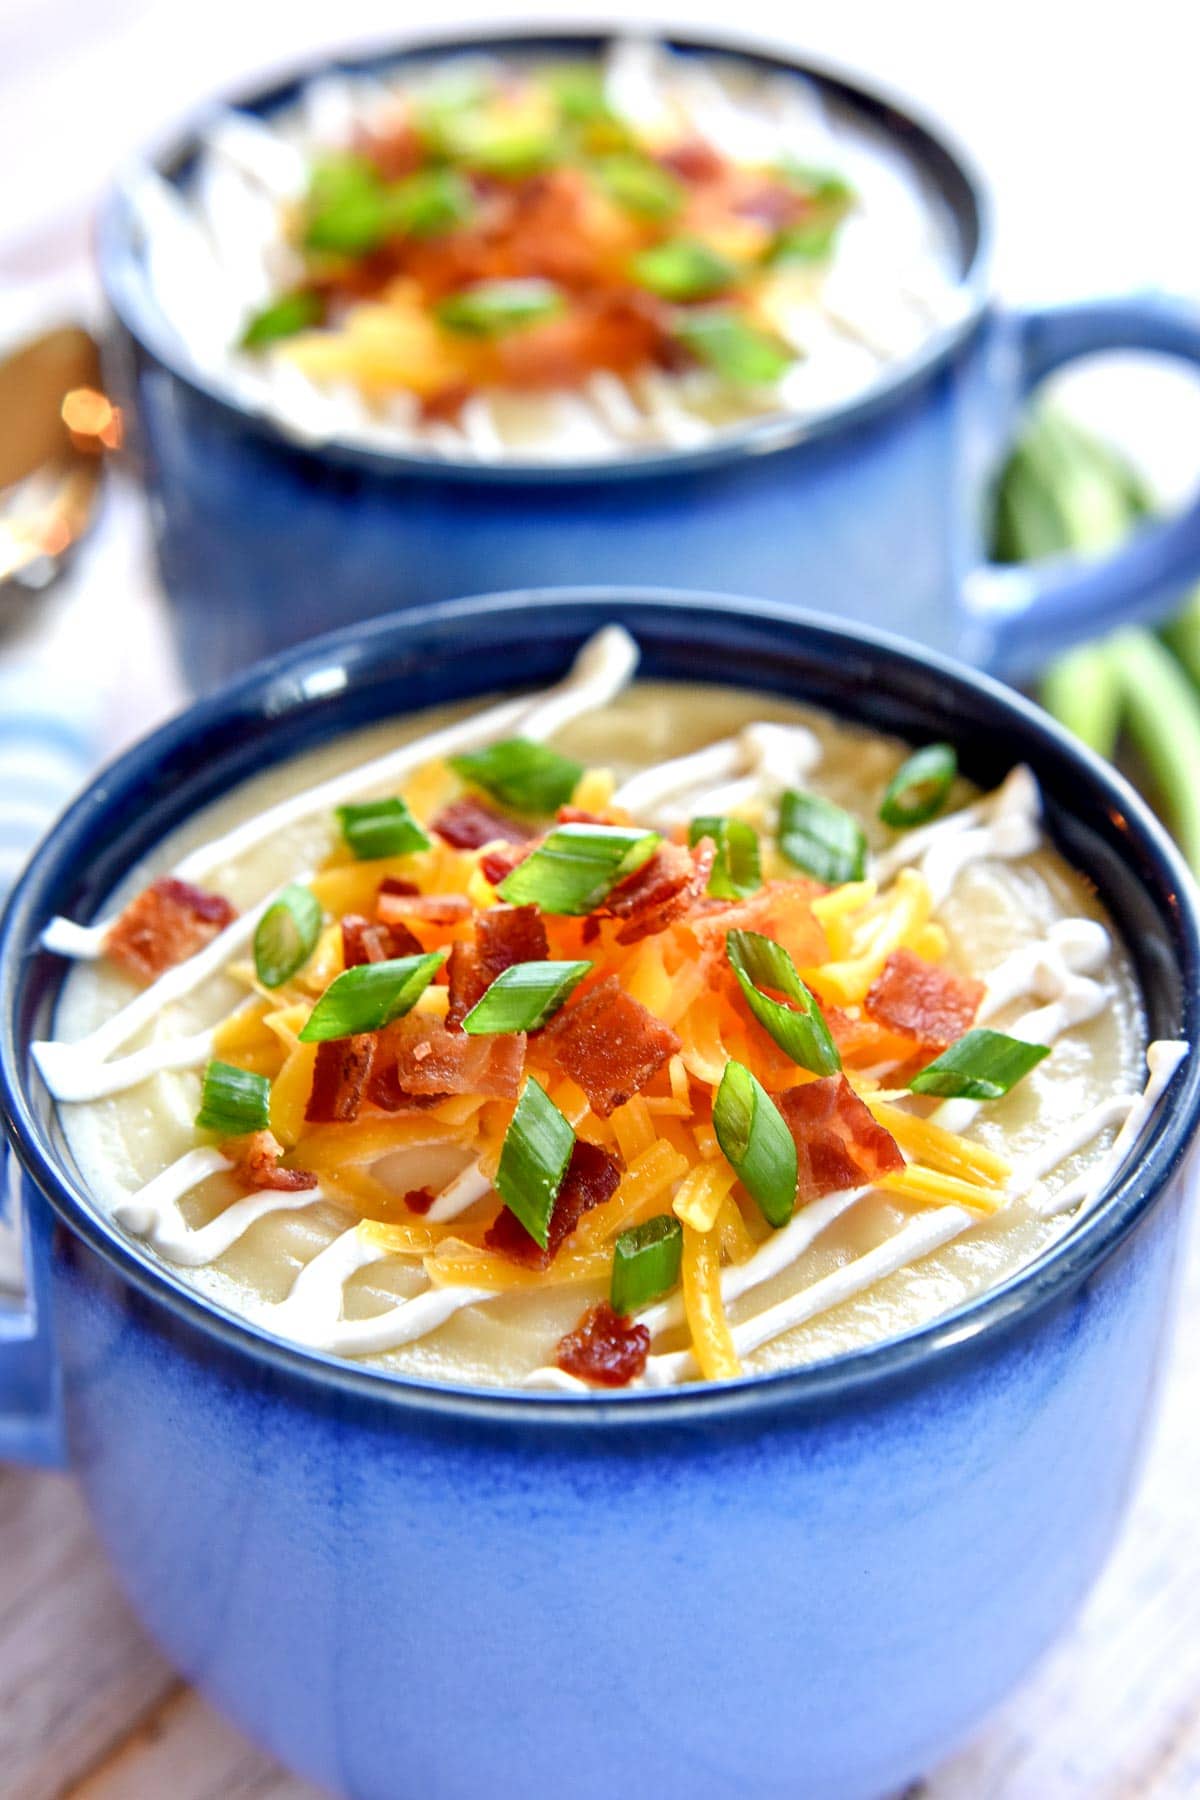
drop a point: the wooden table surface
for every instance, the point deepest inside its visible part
(89, 1709)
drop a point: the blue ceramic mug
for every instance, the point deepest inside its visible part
(809, 1583)
(873, 511)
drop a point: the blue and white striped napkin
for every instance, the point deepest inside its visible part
(46, 753)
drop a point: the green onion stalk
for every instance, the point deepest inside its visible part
(1065, 492)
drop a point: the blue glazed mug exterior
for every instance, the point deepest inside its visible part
(813, 1583)
(873, 512)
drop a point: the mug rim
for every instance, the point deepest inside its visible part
(927, 142)
(853, 1375)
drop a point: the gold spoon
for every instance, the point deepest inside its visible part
(56, 422)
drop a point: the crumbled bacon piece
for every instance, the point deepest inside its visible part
(662, 890)
(611, 1045)
(419, 1200)
(340, 1076)
(367, 941)
(395, 884)
(504, 935)
(432, 909)
(468, 824)
(592, 1176)
(838, 1141)
(932, 1005)
(164, 925)
(604, 1348)
(579, 815)
(446, 403)
(694, 160)
(256, 1162)
(421, 1057)
(501, 861)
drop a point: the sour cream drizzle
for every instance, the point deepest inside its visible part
(765, 758)
(604, 666)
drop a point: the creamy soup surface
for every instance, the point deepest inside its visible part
(532, 257)
(988, 900)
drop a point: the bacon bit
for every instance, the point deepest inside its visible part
(662, 890)
(421, 1057)
(499, 863)
(579, 815)
(366, 942)
(840, 1144)
(393, 884)
(693, 161)
(395, 151)
(256, 1162)
(604, 1348)
(419, 1200)
(444, 406)
(468, 824)
(433, 909)
(590, 930)
(932, 1005)
(340, 1076)
(611, 1045)
(164, 925)
(592, 1177)
(504, 935)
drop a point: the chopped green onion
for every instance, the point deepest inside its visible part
(825, 187)
(491, 308)
(533, 1160)
(983, 1065)
(371, 996)
(381, 828)
(683, 269)
(282, 319)
(919, 787)
(735, 349)
(524, 996)
(579, 90)
(578, 866)
(646, 1262)
(807, 243)
(756, 1142)
(346, 207)
(640, 186)
(821, 838)
(507, 145)
(737, 870)
(286, 935)
(800, 1031)
(432, 201)
(233, 1101)
(520, 773)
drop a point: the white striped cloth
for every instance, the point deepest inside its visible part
(46, 753)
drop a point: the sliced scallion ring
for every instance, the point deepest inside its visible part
(533, 1160)
(918, 789)
(233, 1101)
(799, 1030)
(577, 867)
(520, 773)
(734, 348)
(756, 1142)
(683, 269)
(821, 838)
(983, 1065)
(640, 186)
(283, 318)
(737, 870)
(523, 997)
(646, 1261)
(491, 308)
(371, 996)
(286, 935)
(378, 828)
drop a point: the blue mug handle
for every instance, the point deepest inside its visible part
(1020, 617)
(30, 1389)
